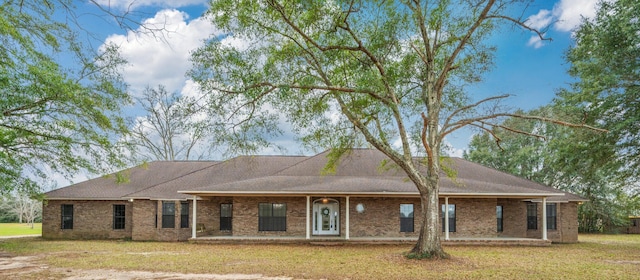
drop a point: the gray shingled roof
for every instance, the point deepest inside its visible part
(235, 169)
(359, 172)
(138, 178)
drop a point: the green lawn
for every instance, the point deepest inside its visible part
(595, 257)
(11, 229)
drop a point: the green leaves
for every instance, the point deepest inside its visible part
(53, 119)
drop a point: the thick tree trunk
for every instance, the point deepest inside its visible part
(428, 245)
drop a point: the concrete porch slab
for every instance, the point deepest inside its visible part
(334, 241)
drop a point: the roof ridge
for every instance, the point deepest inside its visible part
(297, 163)
(183, 160)
(101, 176)
(509, 174)
(214, 163)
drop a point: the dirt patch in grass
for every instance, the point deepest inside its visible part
(31, 267)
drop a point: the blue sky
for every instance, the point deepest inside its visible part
(530, 70)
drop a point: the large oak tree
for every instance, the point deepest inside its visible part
(391, 73)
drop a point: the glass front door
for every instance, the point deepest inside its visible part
(326, 217)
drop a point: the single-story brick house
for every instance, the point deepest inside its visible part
(258, 197)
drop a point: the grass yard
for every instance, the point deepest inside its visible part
(12, 229)
(595, 257)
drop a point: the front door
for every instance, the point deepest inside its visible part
(326, 217)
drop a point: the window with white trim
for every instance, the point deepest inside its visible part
(452, 217)
(552, 215)
(406, 217)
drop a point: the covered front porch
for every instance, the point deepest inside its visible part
(357, 219)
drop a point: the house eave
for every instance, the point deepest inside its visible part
(374, 194)
(88, 198)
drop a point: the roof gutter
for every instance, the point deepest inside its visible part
(87, 198)
(387, 194)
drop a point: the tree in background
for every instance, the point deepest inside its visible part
(181, 127)
(391, 73)
(21, 208)
(173, 127)
(603, 168)
(575, 160)
(54, 119)
(606, 61)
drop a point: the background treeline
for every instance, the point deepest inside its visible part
(602, 167)
(19, 208)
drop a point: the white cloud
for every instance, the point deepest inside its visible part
(565, 16)
(540, 20)
(132, 4)
(570, 12)
(535, 42)
(162, 57)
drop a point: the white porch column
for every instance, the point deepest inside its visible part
(446, 218)
(308, 220)
(194, 222)
(346, 234)
(544, 218)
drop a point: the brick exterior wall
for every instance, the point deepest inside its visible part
(144, 215)
(147, 216)
(566, 223)
(514, 218)
(245, 216)
(91, 220)
(381, 217)
(475, 218)
(209, 215)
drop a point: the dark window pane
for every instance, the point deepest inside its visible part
(168, 215)
(406, 217)
(279, 210)
(272, 217)
(264, 210)
(551, 216)
(118, 216)
(406, 224)
(532, 216)
(226, 211)
(67, 216)
(499, 218)
(452, 217)
(184, 215)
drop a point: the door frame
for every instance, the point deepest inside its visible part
(334, 216)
